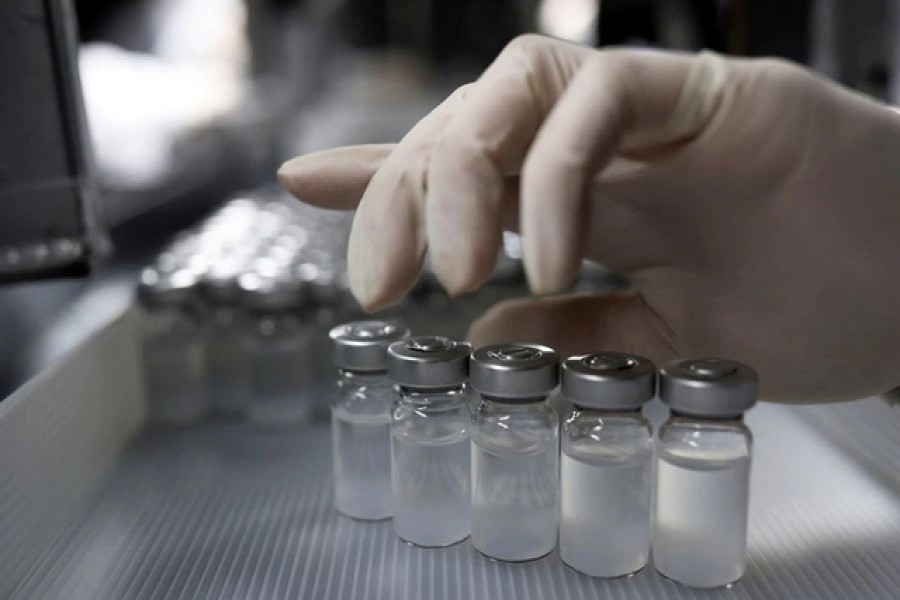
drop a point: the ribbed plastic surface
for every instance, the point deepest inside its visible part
(59, 436)
(228, 512)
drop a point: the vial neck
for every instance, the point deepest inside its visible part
(630, 412)
(420, 391)
(676, 415)
(512, 404)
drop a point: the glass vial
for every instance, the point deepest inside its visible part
(703, 473)
(430, 454)
(606, 464)
(227, 364)
(277, 342)
(174, 363)
(361, 418)
(515, 451)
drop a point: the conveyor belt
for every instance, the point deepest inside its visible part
(226, 511)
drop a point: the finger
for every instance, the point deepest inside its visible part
(387, 241)
(485, 141)
(334, 178)
(575, 324)
(632, 100)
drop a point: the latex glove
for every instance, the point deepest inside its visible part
(757, 218)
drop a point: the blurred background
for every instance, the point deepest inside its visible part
(151, 270)
(125, 122)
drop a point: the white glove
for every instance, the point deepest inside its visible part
(755, 207)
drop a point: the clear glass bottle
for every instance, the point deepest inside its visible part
(515, 451)
(173, 353)
(430, 453)
(361, 418)
(227, 360)
(703, 472)
(277, 342)
(323, 296)
(606, 464)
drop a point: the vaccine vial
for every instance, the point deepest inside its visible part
(515, 451)
(606, 464)
(173, 353)
(277, 342)
(227, 361)
(430, 453)
(703, 472)
(361, 418)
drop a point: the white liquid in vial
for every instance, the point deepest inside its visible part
(605, 516)
(700, 536)
(362, 464)
(514, 510)
(431, 493)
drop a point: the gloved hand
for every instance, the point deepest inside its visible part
(754, 206)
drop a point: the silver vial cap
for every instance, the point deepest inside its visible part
(269, 293)
(514, 372)
(220, 284)
(609, 380)
(429, 362)
(708, 387)
(157, 288)
(362, 345)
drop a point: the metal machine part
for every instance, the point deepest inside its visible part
(47, 193)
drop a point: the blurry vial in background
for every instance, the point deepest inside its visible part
(173, 352)
(430, 448)
(326, 301)
(276, 339)
(361, 418)
(703, 472)
(606, 464)
(228, 363)
(515, 452)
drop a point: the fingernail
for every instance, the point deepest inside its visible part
(289, 171)
(541, 279)
(453, 276)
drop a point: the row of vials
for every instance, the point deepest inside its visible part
(453, 444)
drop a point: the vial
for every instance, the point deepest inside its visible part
(515, 451)
(227, 364)
(277, 341)
(361, 418)
(606, 464)
(323, 302)
(430, 454)
(703, 473)
(173, 357)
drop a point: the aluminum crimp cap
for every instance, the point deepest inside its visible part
(157, 288)
(269, 293)
(708, 387)
(362, 345)
(609, 380)
(429, 362)
(514, 372)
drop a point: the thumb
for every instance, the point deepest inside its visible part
(578, 324)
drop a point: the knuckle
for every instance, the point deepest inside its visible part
(607, 64)
(782, 71)
(527, 43)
